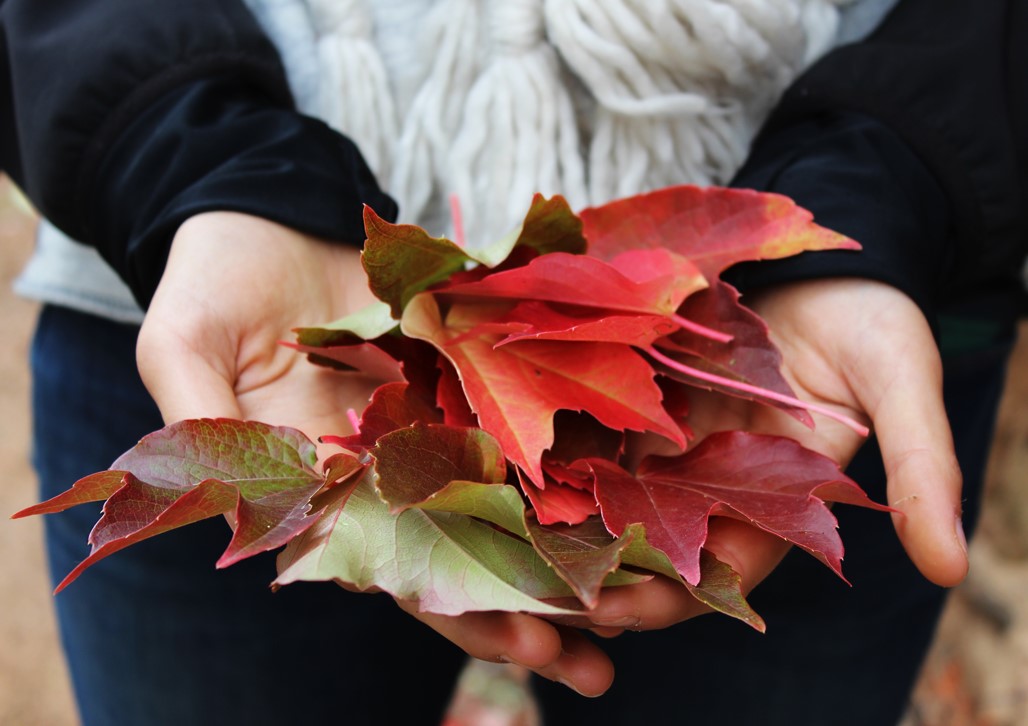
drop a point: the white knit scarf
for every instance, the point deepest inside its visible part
(497, 99)
(493, 100)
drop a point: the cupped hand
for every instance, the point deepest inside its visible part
(864, 349)
(233, 287)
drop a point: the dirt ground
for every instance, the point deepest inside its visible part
(977, 674)
(34, 687)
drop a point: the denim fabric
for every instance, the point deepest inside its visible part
(154, 635)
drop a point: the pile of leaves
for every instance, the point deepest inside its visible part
(494, 468)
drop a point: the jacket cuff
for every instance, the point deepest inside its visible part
(859, 178)
(215, 144)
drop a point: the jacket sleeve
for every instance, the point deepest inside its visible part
(121, 119)
(915, 143)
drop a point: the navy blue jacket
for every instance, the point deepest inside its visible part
(122, 118)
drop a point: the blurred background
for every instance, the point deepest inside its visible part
(976, 675)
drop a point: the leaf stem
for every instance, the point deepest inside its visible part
(458, 221)
(757, 391)
(701, 329)
(354, 419)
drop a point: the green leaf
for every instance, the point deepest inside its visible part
(720, 587)
(448, 563)
(500, 504)
(370, 322)
(402, 260)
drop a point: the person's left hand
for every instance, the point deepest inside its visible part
(864, 349)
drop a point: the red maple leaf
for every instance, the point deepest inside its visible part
(770, 482)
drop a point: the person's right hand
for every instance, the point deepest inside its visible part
(233, 287)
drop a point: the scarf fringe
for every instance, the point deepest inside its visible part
(594, 100)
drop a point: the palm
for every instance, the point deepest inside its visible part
(863, 349)
(209, 346)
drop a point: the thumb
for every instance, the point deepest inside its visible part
(923, 477)
(182, 382)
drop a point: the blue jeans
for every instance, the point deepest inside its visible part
(154, 635)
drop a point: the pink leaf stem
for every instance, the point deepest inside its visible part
(756, 390)
(701, 329)
(458, 222)
(355, 420)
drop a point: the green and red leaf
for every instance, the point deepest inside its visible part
(448, 563)
(197, 469)
(582, 554)
(530, 352)
(416, 462)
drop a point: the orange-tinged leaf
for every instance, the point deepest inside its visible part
(713, 227)
(451, 399)
(92, 488)
(661, 281)
(542, 321)
(515, 389)
(561, 503)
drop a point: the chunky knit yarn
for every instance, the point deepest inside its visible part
(492, 100)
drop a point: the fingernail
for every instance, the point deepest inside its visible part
(625, 621)
(571, 685)
(961, 537)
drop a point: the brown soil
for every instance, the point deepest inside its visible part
(34, 687)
